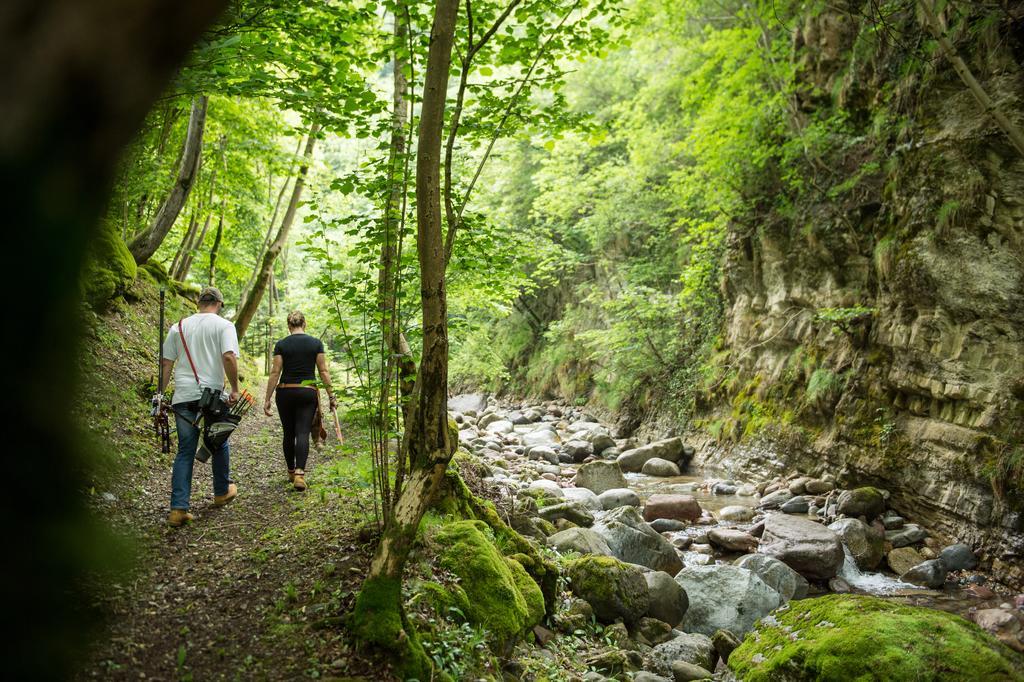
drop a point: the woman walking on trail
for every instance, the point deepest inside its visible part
(298, 400)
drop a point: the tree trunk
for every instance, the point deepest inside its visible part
(397, 354)
(211, 275)
(379, 616)
(170, 115)
(186, 262)
(180, 268)
(248, 306)
(186, 241)
(77, 81)
(145, 245)
(270, 225)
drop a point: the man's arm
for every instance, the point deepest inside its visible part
(165, 370)
(231, 370)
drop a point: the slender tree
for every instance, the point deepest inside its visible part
(265, 244)
(379, 617)
(189, 242)
(145, 245)
(248, 307)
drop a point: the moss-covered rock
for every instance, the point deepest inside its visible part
(867, 502)
(615, 590)
(529, 589)
(442, 599)
(456, 500)
(501, 595)
(109, 269)
(848, 637)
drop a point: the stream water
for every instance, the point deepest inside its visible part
(877, 583)
(503, 443)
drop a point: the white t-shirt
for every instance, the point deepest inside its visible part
(208, 336)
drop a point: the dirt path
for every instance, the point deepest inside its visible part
(252, 590)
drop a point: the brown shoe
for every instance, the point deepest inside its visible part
(291, 475)
(178, 518)
(221, 500)
(299, 480)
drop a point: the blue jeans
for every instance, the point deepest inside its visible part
(188, 440)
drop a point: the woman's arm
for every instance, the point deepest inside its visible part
(325, 376)
(275, 375)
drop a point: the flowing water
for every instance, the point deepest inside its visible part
(876, 583)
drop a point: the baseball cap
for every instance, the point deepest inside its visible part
(211, 294)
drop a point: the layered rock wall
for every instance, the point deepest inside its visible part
(879, 333)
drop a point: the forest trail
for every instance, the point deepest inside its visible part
(252, 590)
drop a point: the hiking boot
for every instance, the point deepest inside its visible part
(178, 518)
(291, 475)
(299, 480)
(221, 500)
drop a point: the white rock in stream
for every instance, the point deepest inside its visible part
(549, 488)
(725, 597)
(588, 498)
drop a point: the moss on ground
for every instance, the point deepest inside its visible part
(496, 598)
(847, 637)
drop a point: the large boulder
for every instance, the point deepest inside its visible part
(958, 557)
(613, 589)
(902, 559)
(866, 544)
(732, 540)
(678, 507)
(600, 439)
(776, 575)
(600, 476)
(494, 591)
(619, 497)
(471, 403)
(668, 598)
(542, 452)
(931, 573)
(656, 466)
(546, 488)
(500, 427)
(543, 435)
(724, 597)
(809, 548)
(908, 534)
(632, 540)
(575, 512)
(867, 502)
(852, 637)
(585, 497)
(579, 540)
(776, 499)
(670, 449)
(579, 450)
(690, 648)
(736, 512)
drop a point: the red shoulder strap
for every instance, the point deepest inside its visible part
(181, 333)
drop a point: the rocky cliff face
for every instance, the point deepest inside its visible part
(878, 333)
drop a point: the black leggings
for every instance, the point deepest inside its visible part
(296, 407)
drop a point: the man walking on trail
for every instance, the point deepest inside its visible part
(202, 349)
